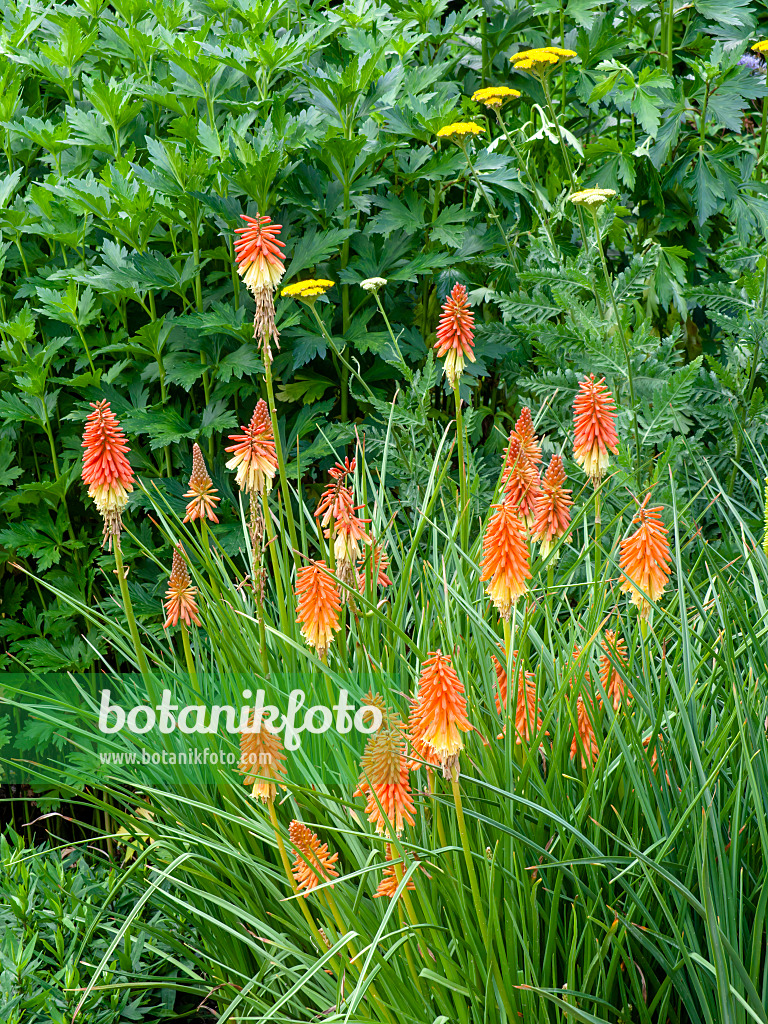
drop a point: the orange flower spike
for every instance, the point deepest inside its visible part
(526, 434)
(255, 454)
(455, 331)
(441, 709)
(594, 415)
(645, 558)
(106, 470)
(314, 864)
(257, 253)
(521, 480)
(389, 883)
(612, 683)
(384, 779)
(201, 490)
(552, 507)
(319, 605)
(421, 751)
(180, 597)
(505, 561)
(261, 761)
(379, 568)
(589, 750)
(527, 721)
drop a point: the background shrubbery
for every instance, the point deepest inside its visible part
(135, 135)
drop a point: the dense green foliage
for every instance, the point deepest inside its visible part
(57, 917)
(135, 135)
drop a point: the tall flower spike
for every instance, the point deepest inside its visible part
(420, 750)
(505, 562)
(455, 331)
(379, 568)
(314, 864)
(255, 454)
(319, 605)
(440, 712)
(645, 558)
(261, 761)
(384, 779)
(180, 597)
(588, 750)
(552, 507)
(201, 490)
(594, 427)
(526, 434)
(260, 264)
(389, 883)
(527, 720)
(106, 470)
(520, 479)
(612, 683)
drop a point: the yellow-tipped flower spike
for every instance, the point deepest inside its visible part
(314, 864)
(318, 605)
(261, 761)
(645, 559)
(384, 779)
(614, 686)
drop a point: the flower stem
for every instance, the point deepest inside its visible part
(566, 160)
(280, 459)
(523, 164)
(188, 658)
(140, 655)
(463, 497)
(630, 379)
(488, 203)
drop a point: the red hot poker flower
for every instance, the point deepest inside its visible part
(201, 490)
(645, 558)
(384, 779)
(180, 597)
(257, 252)
(255, 454)
(594, 416)
(314, 864)
(505, 560)
(106, 470)
(520, 478)
(319, 605)
(612, 683)
(552, 507)
(440, 710)
(526, 434)
(455, 331)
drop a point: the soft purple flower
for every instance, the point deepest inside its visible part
(753, 63)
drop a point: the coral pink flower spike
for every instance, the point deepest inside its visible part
(455, 332)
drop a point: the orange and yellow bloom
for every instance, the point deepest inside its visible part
(506, 561)
(594, 416)
(439, 712)
(257, 253)
(389, 883)
(180, 597)
(319, 605)
(384, 779)
(106, 469)
(551, 507)
(584, 742)
(615, 689)
(261, 761)
(527, 720)
(313, 864)
(201, 491)
(645, 559)
(455, 331)
(254, 453)
(520, 479)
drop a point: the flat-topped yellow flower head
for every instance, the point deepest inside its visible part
(761, 47)
(459, 130)
(592, 196)
(306, 289)
(540, 60)
(495, 96)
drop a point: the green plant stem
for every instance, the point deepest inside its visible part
(281, 460)
(566, 159)
(620, 326)
(598, 524)
(463, 496)
(763, 134)
(339, 355)
(140, 655)
(188, 658)
(523, 164)
(488, 203)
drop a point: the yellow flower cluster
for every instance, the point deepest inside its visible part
(760, 47)
(459, 129)
(592, 196)
(541, 59)
(307, 289)
(494, 96)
